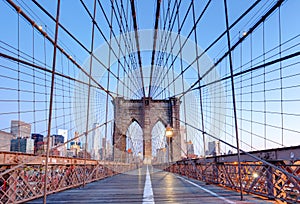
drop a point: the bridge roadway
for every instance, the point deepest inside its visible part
(148, 185)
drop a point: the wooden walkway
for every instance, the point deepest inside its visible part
(153, 187)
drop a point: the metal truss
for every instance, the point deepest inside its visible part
(19, 184)
(277, 179)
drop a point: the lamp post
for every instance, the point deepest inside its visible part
(169, 135)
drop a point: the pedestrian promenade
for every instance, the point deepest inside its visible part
(149, 185)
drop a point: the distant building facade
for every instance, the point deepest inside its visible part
(213, 148)
(25, 145)
(5, 139)
(106, 152)
(56, 139)
(20, 129)
(38, 142)
(183, 141)
(190, 148)
(74, 149)
(93, 143)
(161, 155)
(64, 133)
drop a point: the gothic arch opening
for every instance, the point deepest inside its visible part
(159, 143)
(146, 112)
(134, 140)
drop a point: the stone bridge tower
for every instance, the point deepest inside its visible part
(146, 112)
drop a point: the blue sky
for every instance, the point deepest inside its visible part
(261, 112)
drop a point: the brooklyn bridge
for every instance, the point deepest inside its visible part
(153, 101)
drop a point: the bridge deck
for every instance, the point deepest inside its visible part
(137, 187)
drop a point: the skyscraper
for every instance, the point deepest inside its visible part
(93, 145)
(25, 145)
(190, 148)
(213, 148)
(5, 139)
(64, 133)
(56, 139)
(20, 129)
(38, 141)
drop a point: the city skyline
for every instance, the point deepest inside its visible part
(265, 97)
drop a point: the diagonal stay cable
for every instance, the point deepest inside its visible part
(296, 54)
(162, 77)
(133, 14)
(127, 44)
(157, 15)
(218, 38)
(245, 152)
(18, 9)
(74, 38)
(268, 13)
(164, 38)
(46, 70)
(124, 33)
(109, 45)
(77, 41)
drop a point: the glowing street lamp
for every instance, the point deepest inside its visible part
(169, 131)
(255, 175)
(169, 135)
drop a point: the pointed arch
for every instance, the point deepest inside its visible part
(158, 137)
(160, 120)
(134, 138)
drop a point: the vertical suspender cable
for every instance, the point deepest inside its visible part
(133, 13)
(34, 82)
(200, 97)
(158, 2)
(160, 72)
(280, 66)
(233, 99)
(182, 83)
(265, 105)
(51, 99)
(185, 41)
(19, 91)
(241, 90)
(119, 45)
(89, 94)
(108, 78)
(269, 12)
(118, 71)
(45, 79)
(251, 90)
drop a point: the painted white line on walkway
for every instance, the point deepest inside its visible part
(148, 192)
(208, 191)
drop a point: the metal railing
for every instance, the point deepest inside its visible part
(281, 183)
(25, 182)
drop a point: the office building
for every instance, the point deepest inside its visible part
(93, 143)
(56, 139)
(20, 129)
(38, 141)
(162, 155)
(213, 148)
(190, 148)
(25, 145)
(5, 139)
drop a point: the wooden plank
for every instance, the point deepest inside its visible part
(129, 188)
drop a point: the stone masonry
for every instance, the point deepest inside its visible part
(146, 112)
